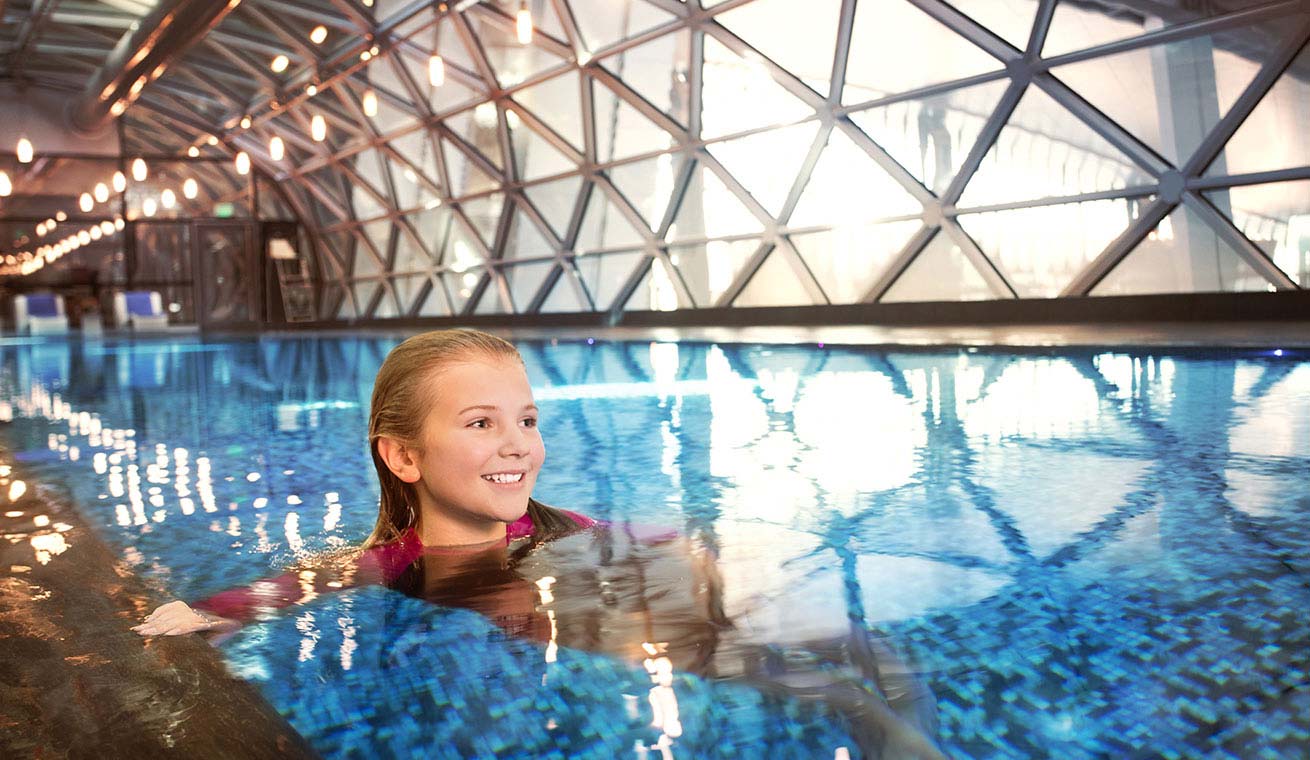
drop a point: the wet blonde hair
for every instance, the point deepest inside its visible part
(402, 395)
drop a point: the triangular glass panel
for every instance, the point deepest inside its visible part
(382, 76)
(656, 291)
(379, 234)
(1041, 249)
(604, 226)
(558, 103)
(605, 276)
(491, 301)
(1011, 20)
(525, 280)
(602, 24)
(848, 259)
(511, 62)
(710, 210)
(460, 286)
(1067, 158)
(740, 95)
(412, 189)
(365, 292)
(774, 26)
(436, 304)
(484, 214)
(1276, 217)
(367, 254)
(462, 251)
(768, 181)
(647, 185)
(543, 17)
(1182, 254)
(564, 295)
(1087, 23)
(932, 136)
(709, 269)
(525, 241)
(556, 201)
(394, 111)
(849, 188)
(407, 290)
(888, 34)
(386, 306)
(466, 176)
(452, 48)
(941, 272)
(622, 131)
(336, 304)
(448, 95)
(410, 256)
(1274, 135)
(776, 283)
(1199, 82)
(657, 71)
(478, 126)
(432, 227)
(534, 156)
(370, 167)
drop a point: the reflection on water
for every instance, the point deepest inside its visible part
(1080, 554)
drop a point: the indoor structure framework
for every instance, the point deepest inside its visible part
(643, 155)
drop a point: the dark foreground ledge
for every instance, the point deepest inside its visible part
(75, 681)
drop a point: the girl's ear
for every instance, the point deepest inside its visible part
(400, 459)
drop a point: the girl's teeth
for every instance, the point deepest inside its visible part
(504, 477)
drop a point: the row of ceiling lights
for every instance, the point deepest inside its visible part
(28, 262)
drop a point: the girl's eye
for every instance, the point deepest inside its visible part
(482, 423)
(530, 422)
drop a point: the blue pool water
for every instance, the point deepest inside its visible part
(1080, 554)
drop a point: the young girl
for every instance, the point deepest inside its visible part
(453, 433)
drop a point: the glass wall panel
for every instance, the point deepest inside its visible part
(364, 294)
(1276, 217)
(525, 241)
(708, 269)
(1011, 20)
(1181, 255)
(386, 306)
(436, 304)
(534, 156)
(1079, 24)
(847, 260)
(449, 95)
(378, 237)
(1274, 136)
(412, 191)
(410, 256)
(460, 286)
(648, 186)
(604, 226)
(433, 227)
(564, 295)
(1041, 249)
(710, 210)
(656, 291)
(767, 181)
(604, 22)
(163, 253)
(889, 34)
(774, 26)
(1191, 85)
(418, 151)
(605, 276)
(775, 284)
(525, 280)
(484, 214)
(511, 62)
(555, 201)
(339, 303)
(271, 204)
(849, 189)
(558, 103)
(739, 94)
(491, 301)
(1045, 151)
(657, 70)
(622, 131)
(408, 289)
(940, 273)
(467, 177)
(931, 137)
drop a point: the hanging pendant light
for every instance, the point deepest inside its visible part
(436, 71)
(243, 163)
(318, 35)
(84, 237)
(524, 23)
(95, 232)
(120, 182)
(190, 188)
(25, 151)
(6, 187)
(168, 199)
(193, 152)
(107, 227)
(276, 148)
(370, 103)
(149, 207)
(139, 170)
(318, 128)
(279, 64)
(101, 192)
(86, 202)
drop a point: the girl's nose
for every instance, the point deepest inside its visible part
(514, 443)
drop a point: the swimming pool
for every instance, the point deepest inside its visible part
(1074, 554)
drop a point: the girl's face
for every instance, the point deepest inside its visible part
(480, 450)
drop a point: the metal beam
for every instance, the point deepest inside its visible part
(142, 55)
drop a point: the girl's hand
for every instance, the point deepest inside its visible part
(176, 618)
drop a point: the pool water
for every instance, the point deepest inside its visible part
(1053, 554)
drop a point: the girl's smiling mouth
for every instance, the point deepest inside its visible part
(504, 478)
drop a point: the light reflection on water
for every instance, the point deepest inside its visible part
(985, 523)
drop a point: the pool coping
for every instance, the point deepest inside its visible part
(73, 676)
